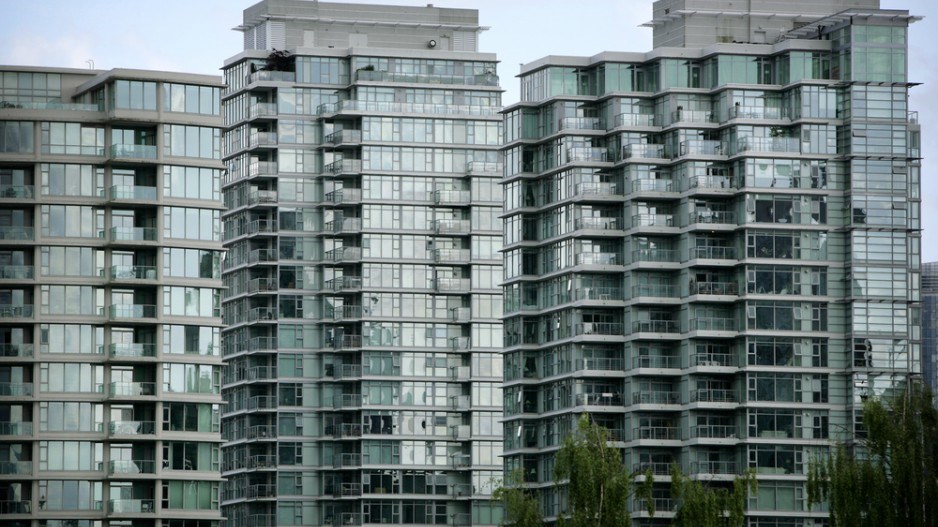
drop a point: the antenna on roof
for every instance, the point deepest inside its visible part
(90, 64)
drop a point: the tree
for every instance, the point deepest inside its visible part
(521, 506)
(598, 486)
(701, 505)
(888, 477)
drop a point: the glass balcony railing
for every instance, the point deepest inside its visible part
(262, 139)
(131, 506)
(132, 192)
(713, 324)
(656, 361)
(713, 431)
(713, 395)
(450, 226)
(666, 433)
(344, 254)
(17, 233)
(344, 283)
(344, 195)
(655, 326)
(343, 136)
(601, 364)
(404, 107)
(133, 272)
(482, 79)
(714, 253)
(598, 189)
(16, 191)
(722, 360)
(598, 399)
(133, 151)
(711, 182)
(586, 153)
(768, 144)
(654, 290)
(17, 272)
(653, 185)
(451, 284)
(132, 389)
(16, 429)
(598, 258)
(600, 328)
(597, 223)
(272, 76)
(756, 112)
(131, 466)
(53, 105)
(597, 293)
(580, 123)
(132, 427)
(451, 255)
(119, 311)
(16, 389)
(133, 234)
(653, 220)
(263, 168)
(634, 119)
(16, 350)
(713, 467)
(8, 311)
(132, 349)
(12, 468)
(713, 288)
(483, 167)
(692, 116)
(344, 166)
(701, 147)
(262, 109)
(654, 255)
(451, 196)
(656, 397)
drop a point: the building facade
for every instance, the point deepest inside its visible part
(110, 277)
(713, 250)
(930, 325)
(363, 303)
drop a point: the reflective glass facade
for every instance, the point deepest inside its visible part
(715, 253)
(110, 355)
(363, 303)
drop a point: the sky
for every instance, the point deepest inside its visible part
(196, 36)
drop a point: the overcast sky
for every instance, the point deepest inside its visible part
(196, 36)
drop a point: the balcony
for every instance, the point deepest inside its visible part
(701, 147)
(580, 123)
(761, 113)
(8, 311)
(344, 226)
(644, 151)
(132, 349)
(711, 182)
(261, 226)
(132, 389)
(133, 272)
(126, 311)
(261, 431)
(344, 195)
(616, 364)
(634, 119)
(450, 226)
(718, 360)
(128, 466)
(653, 185)
(587, 153)
(23, 349)
(481, 79)
(653, 220)
(127, 151)
(598, 258)
(13, 233)
(19, 429)
(598, 399)
(460, 314)
(664, 362)
(692, 116)
(347, 400)
(271, 76)
(655, 326)
(261, 490)
(344, 283)
(263, 168)
(131, 506)
(712, 217)
(713, 467)
(654, 290)
(16, 389)
(598, 189)
(348, 430)
(600, 328)
(403, 107)
(261, 313)
(344, 254)
(16, 191)
(713, 395)
(460, 256)
(262, 109)
(344, 166)
(790, 145)
(713, 432)
(347, 459)
(484, 167)
(347, 312)
(131, 192)
(655, 255)
(598, 293)
(713, 288)
(459, 402)
(262, 461)
(461, 285)
(131, 428)
(660, 433)
(348, 342)
(261, 197)
(598, 223)
(348, 490)
(652, 397)
(261, 285)
(257, 139)
(15, 506)
(13, 468)
(459, 343)
(262, 255)
(712, 252)
(346, 136)
(451, 197)
(132, 234)
(713, 324)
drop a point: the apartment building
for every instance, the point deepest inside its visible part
(713, 248)
(362, 305)
(110, 277)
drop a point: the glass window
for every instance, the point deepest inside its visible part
(191, 99)
(72, 138)
(134, 95)
(16, 137)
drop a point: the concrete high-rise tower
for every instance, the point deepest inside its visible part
(713, 248)
(110, 277)
(363, 300)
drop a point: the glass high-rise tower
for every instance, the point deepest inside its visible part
(110, 251)
(362, 303)
(713, 248)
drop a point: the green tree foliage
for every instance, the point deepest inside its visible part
(701, 505)
(521, 506)
(890, 477)
(598, 485)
